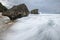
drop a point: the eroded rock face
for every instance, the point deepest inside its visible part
(17, 12)
(35, 11)
(2, 8)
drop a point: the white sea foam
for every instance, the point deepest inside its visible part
(35, 27)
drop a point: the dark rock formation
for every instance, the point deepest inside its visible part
(2, 8)
(35, 11)
(17, 12)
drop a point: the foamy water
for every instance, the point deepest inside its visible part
(34, 27)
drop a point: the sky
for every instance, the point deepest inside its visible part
(48, 6)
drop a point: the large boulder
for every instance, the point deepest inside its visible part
(17, 12)
(34, 11)
(2, 8)
(12, 14)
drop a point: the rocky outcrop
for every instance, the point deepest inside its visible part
(2, 8)
(35, 11)
(17, 12)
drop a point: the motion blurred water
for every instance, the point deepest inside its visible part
(34, 27)
(3, 19)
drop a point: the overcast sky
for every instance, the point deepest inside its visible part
(51, 6)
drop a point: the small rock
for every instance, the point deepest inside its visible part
(35, 11)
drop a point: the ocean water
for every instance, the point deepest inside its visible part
(34, 27)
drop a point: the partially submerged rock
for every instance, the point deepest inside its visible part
(2, 8)
(35, 11)
(17, 12)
